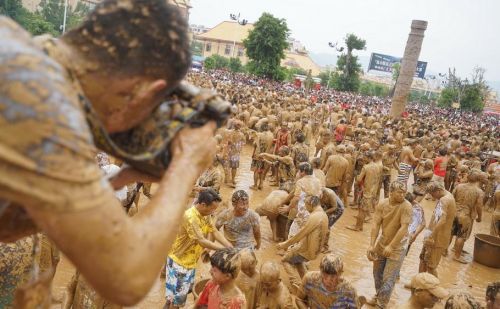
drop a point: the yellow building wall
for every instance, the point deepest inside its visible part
(219, 48)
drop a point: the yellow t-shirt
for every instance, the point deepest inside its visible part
(186, 250)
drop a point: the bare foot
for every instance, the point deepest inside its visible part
(460, 260)
(254, 187)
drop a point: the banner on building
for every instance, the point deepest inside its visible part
(385, 63)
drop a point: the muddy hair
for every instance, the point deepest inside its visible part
(410, 197)
(397, 186)
(316, 162)
(240, 195)
(208, 196)
(462, 300)
(474, 175)
(227, 261)
(434, 186)
(135, 38)
(331, 265)
(306, 168)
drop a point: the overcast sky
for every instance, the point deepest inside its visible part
(460, 33)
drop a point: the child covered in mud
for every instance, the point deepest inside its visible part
(248, 278)
(221, 291)
(327, 288)
(273, 294)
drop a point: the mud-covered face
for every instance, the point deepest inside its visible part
(330, 282)
(397, 196)
(240, 207)
(269, 284)
(209, 209)
(426, 298)
(218, 276)
(123, 103)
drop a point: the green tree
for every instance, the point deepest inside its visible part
(396, 68)
(448, 97)
(235, 65)
(346, 78)
(53, 12)
(265, 46)
(471, 94)
(291, 72)
(373, 89)
(11, 8)
(216, 62)
(325, 77)
(32, 22)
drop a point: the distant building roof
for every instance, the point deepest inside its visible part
(230, 31)
(227, 31)
(302, 60)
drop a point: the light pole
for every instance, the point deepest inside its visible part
(338, 49)
(65, 16)
(240, 22)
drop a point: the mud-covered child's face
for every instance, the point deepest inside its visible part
(218, 276)
(330, 282)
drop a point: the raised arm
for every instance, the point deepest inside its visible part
(109, 248)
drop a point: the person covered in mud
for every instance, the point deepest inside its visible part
(248, 278)
(306, 185)
(241, 224)
(273, 294)
(417, 224)
(221, 292)
(462, 300)
(426, 291)
(391, 220)
(406, 161)
(299, 148)
(211, 178)
(118, 65)
(438, 234)
(196, 230)
(236, 140)
(318, 172)
(284, 166)
(327, 288)
(369, 180)
(309, 240)
(424, 172)
(336, 170)
(262, 144)
(469, 202)
(389, 159)
(334, 208)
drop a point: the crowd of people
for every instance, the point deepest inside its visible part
(321, 151)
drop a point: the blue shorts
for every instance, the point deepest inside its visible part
(179, 283)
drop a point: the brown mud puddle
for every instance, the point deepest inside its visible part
(350, 245)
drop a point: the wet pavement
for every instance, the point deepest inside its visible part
(350, 245)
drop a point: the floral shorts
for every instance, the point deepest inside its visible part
(179, 283)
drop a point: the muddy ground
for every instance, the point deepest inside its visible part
(350, 245)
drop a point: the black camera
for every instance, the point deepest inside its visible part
(146, 147)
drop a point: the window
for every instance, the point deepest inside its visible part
(241, 52)
(208, 47)
(227, 50)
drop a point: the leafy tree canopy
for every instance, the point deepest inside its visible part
(266, 45)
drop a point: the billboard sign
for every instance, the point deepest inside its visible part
(384, 63)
